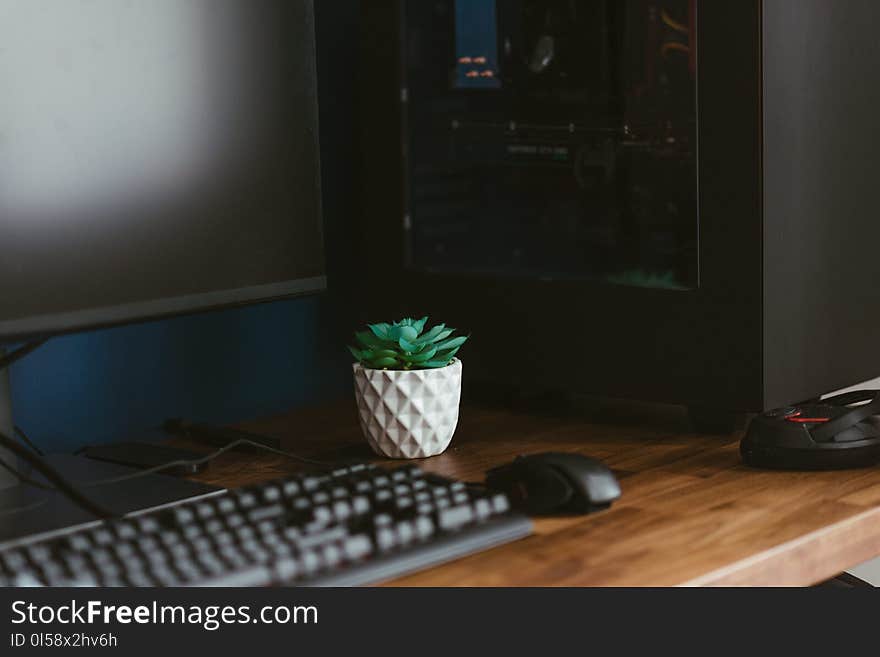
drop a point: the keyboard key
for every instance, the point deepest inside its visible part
(233, 520)
(500, 503)
(455, 517)
(139, 578)
(386, 538)
(246, 499)
(332, 555)
(414, 472)
(39, 553)
(271, 494)
(424, 527)
(101, 556)
(252, 576)
(361, 505)
(74, 562)
(184, 515)
(286, 569)
(357, 547)
(214, 526)
(341, 510)
(265, 512)
(102, 537)
(310, 561)
(483, 508)
(126, 530)
(311, 483)
(320, 538)
(205, 510)
(191, 532)
(322, 514)
(79, 542)
(147, 524)
(123, 551)
(405, 532)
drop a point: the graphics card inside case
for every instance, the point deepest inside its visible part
(668, 200)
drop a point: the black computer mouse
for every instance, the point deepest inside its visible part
(554, 482)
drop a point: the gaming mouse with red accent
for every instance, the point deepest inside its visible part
(838, 432)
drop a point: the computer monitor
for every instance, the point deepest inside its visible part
(157, 157)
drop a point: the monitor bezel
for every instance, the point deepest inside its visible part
(17, 330)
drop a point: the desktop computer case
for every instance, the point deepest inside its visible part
(786, 307)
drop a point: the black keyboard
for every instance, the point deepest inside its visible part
(355, 525)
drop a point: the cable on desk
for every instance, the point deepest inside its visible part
(25, 480)
(29, 507)
(206, 459)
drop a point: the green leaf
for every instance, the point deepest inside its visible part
(382, 363)
(407, 346)
(443, 335)
(368, 340)
(431, 335)
(381, 331)
(446, 355)
(420, 324)
(405, 332)
(454, 342)
(424, 356)
(354, 352)
(435, 364)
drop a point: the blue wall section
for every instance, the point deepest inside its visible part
(224, 366)
(219, 367)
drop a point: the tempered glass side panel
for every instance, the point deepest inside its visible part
(553, 139)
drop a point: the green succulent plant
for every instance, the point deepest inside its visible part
(405, 345)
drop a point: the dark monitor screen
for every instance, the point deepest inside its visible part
(156, 157)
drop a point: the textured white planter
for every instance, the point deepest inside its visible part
(408, 414)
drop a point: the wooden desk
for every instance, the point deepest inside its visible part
(690, 514)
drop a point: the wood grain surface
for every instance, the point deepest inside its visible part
(690, 513)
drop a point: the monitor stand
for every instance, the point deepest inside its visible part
(27, 510)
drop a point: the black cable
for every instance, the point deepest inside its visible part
(18, 509)
(206, 459)
(24, 437)
(22, 478)
(54, 477)
(21, 352)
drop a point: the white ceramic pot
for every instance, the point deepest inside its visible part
(408, 414)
